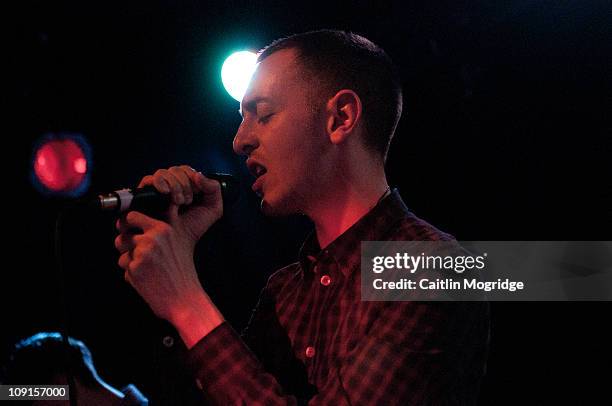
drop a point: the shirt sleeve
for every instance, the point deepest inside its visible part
(413, 353)
(229, 373)
(255, 368)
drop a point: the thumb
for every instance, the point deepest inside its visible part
(135, 219)
(207, 185)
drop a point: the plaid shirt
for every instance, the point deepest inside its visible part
(311, 340)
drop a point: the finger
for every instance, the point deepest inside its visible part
(165, 182)
(126, 242)
(194, 179)
(123, 227)
(162, 185)
(197, 180)
(207, 185)
(124, 260)
(128, 277)
(176, 188)
(210, 189)
(158, 183)
(146, 181)
(182, 176)
(193, 176)
(135, 219)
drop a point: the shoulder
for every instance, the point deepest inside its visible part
(401, 224)
(409, 227)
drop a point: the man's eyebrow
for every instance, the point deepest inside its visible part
(251, 105)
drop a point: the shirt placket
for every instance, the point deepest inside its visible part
(325, 277)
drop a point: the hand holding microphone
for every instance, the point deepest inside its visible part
(158, 263)
(148, 199)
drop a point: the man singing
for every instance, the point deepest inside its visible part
(318, 118)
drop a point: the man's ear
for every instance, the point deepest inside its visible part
(344, 115)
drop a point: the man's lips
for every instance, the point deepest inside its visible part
(258, 171)
(256, 168)
(257, 185)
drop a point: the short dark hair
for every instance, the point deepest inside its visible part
(344, 60)
(44, 356)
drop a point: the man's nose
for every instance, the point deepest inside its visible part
(244, 141)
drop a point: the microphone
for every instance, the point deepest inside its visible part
(149, 201)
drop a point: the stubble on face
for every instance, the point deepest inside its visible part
(301, 166)
(293, 144)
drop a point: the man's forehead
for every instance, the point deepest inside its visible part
(276, 72)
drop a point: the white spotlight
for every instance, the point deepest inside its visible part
(236, 72)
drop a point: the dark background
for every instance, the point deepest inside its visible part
(505, 136)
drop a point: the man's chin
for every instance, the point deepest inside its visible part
(275, 208)
(269, 209)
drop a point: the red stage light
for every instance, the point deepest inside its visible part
(60, 165)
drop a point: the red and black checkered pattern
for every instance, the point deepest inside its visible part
(311, 340)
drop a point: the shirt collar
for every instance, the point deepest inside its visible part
(346, 249)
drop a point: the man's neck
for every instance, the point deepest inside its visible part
(336, 214)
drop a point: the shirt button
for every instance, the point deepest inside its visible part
(310, 352)
(168, 341)
(325, 280)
